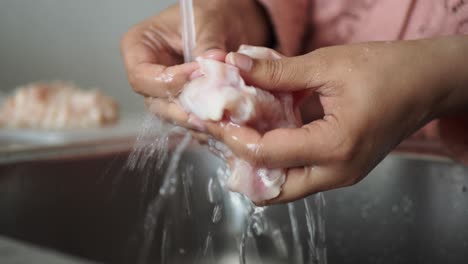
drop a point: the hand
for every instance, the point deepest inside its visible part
(152, 50)
(373, 96)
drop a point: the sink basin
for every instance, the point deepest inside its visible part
(408, 210)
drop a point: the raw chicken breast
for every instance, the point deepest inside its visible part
(56, 106)
(220, 94)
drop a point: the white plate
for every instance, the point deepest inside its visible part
(11, 139)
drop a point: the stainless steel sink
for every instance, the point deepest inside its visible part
(408, 210)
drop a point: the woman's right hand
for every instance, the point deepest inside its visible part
(152, 50)
(373, 96)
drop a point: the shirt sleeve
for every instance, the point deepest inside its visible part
(289, 20)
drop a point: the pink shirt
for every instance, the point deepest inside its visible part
(304, 25)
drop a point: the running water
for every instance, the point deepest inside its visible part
(153, 142)
(316, 229)
(298, 253)
(139, 160)
(159, 147)
(251, 230)
(188, 29)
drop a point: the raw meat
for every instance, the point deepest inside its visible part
(220, 94)
(57, 105)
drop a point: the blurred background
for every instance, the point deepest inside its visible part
(68, 40)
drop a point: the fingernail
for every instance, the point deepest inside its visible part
(196, 123)
(214, 54)
(245, 47)
(195, 74)
(148, 101)
(240, 61)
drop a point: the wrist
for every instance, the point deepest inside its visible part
(451, 77)
(266, 25)
(254, 19)
(257, 24)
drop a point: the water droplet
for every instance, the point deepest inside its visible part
(214, 190)
(279, 242)
(217, 213)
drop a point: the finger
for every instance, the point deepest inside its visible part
(201, 138)
(153, 80)
(214, 54)
(133, 49)
(286, 74)
(146, 63)
(314, 143)
(174, 113)
(302, 182)
(260, 52)
(209, 40)
(168, 111)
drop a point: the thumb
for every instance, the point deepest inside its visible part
(285, 74)
(210, 43)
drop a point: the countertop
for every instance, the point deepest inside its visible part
(24, 145)
(16, 252)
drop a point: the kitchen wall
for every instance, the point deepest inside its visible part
(70, 40)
